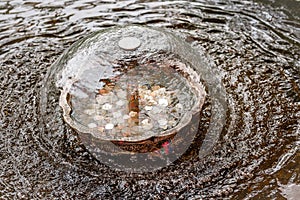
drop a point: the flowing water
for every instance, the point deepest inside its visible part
(254, 48)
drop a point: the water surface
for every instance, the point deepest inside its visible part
(255, 50)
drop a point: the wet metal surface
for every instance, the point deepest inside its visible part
(255, 49)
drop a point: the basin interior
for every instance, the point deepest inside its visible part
(133, 100)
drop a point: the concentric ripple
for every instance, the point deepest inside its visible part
(248, 143)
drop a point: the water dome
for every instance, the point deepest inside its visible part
(129, 89)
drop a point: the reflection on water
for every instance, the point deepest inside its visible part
(290, 7)
(255, 50)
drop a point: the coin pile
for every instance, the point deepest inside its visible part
(133, 110)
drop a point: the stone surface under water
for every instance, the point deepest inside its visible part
(255, 48)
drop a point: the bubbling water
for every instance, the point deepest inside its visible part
(139, 97)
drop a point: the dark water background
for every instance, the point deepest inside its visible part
(256, 48)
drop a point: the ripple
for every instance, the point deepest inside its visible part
(251, 154)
